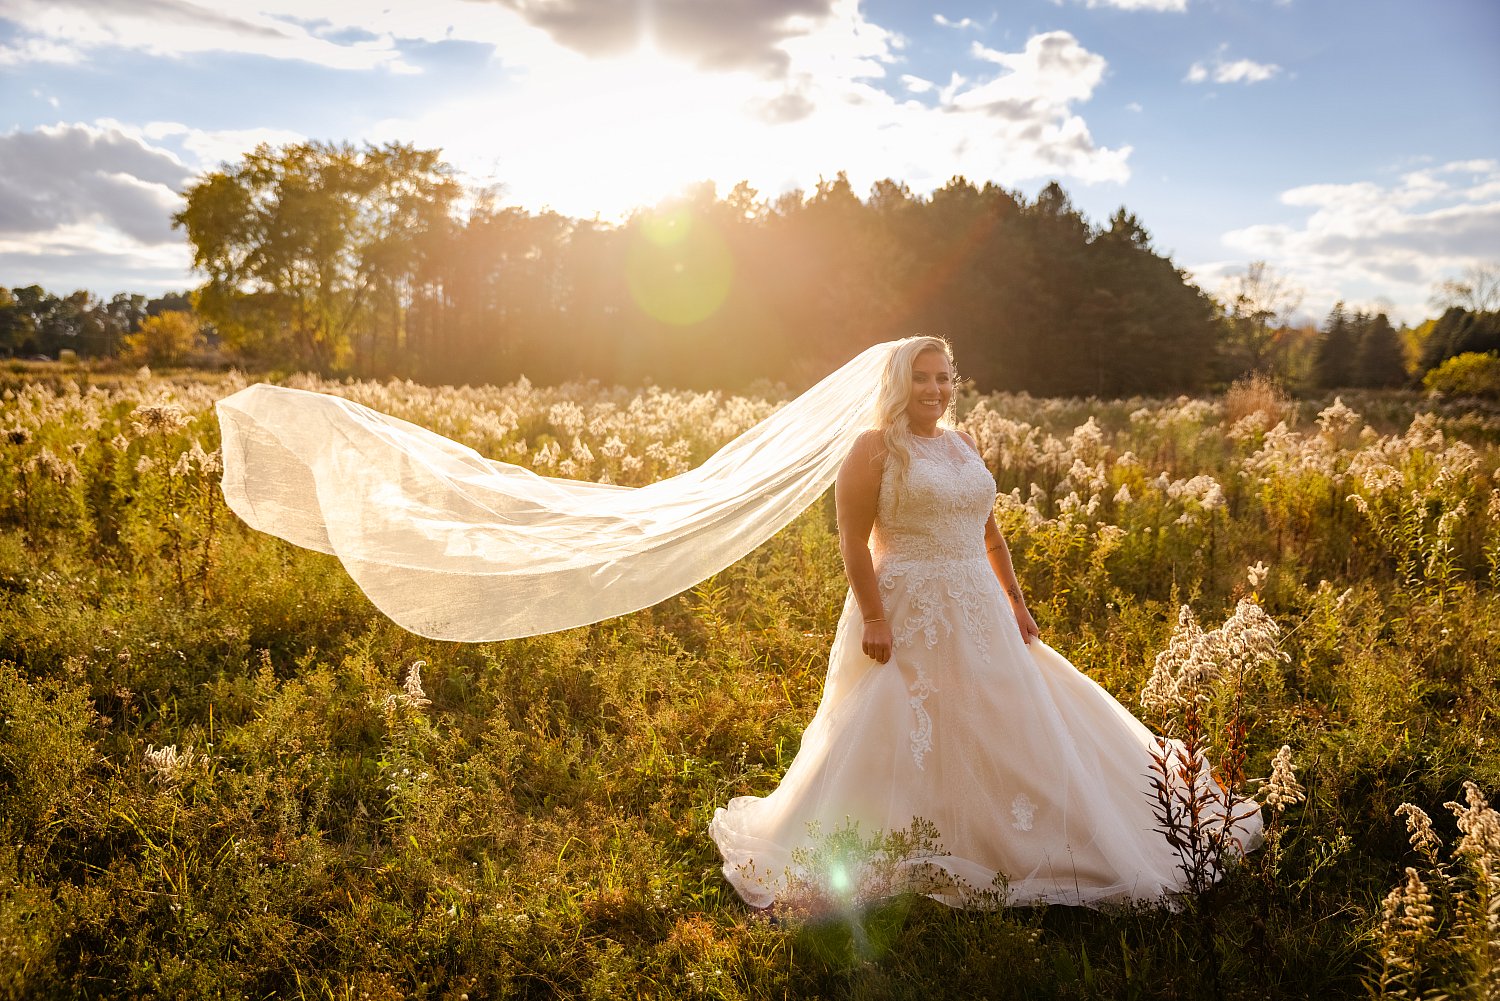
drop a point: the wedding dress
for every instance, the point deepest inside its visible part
(1030, 771)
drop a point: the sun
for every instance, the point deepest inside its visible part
(623, 133)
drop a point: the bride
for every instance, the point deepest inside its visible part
(943, 705)
(942, 710)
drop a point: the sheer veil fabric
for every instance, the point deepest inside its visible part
(1025, 765)
(454, 546)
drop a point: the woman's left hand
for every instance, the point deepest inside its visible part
(1026, 622)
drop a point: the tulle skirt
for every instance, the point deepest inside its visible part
(1032, 783)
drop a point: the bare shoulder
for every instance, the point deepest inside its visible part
(870, 445)
(868, 452)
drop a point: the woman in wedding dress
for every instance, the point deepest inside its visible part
(943, 705)
(941, 701)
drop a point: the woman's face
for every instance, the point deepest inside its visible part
(931, 388)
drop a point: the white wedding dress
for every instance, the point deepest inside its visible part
(1028, 769)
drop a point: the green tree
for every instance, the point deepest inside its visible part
(16, 324)
(311, 250)
(1459, 331)
(1333, 364)
(1379, 361)
(1258, 306)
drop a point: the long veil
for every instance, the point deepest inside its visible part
(455, 546)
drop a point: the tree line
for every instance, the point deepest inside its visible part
(375, 261)
(36, 322)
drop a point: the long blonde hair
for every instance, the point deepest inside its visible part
(895, 394)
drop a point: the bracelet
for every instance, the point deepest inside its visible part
(878, 618)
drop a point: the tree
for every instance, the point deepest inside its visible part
(1379, 361)
(1257, 305)
(1333, 364)
(1477, 290)
(1459, 331)
(310, 249)
(1472, 373)
(16, 324)
(164, 339)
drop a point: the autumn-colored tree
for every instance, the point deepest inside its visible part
(164, 339)
(310, 250)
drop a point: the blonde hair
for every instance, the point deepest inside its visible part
(895, 394)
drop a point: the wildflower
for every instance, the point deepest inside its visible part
(1419, 826)
(60, 471)
(1122, 496)
(613, 448)
(1408, 910)
(1480, 826)
(119, 442)
(1257, 574)
(1283, 789)
(1194, 659)
(166, 764)
(164, 419)
(581, 452)
(412, 693)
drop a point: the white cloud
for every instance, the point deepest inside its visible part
(1364, 240)
(590, 135)
(1221, 70)
(960, 24)
(57, 176)
(1176, 6)
(587, 136)
(68, 31)
(729, 34)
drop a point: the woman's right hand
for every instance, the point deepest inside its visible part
(878, 641)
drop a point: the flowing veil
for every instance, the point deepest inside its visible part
(455, 546)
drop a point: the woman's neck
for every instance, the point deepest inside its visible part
(924, 430)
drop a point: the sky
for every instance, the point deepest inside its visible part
(1354, 145)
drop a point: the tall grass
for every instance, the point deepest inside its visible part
(222, 772)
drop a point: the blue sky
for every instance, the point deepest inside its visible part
(1353, 145)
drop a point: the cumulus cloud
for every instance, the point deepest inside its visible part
(659, 123)
(1221, 70)
(780, 93)
(1364, 240)
(67, 31)
(65, 175)
(724, 34)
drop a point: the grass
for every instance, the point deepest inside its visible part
(537, 828)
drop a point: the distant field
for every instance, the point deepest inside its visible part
(213, 780)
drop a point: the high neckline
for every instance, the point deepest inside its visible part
(935, 437)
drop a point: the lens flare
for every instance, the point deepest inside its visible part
(679, 268)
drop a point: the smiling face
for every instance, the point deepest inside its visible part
(931, 390)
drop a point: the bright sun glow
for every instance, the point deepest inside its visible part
(626, 132)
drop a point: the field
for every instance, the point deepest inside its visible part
(223, 773)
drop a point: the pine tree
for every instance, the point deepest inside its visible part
(1334, 363)
(1379, 362)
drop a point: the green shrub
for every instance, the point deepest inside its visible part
(1468, 374)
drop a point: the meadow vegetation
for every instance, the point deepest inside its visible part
(223, 773)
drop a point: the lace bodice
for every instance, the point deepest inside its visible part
(940, 512)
